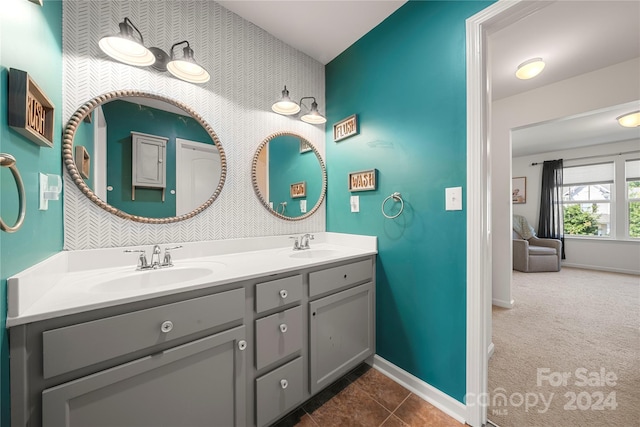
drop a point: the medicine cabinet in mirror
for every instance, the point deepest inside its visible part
(289, 176)
(144, 157)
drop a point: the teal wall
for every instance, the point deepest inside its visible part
(406, 81)
(123, 117)
(30, 40)
(287, 165)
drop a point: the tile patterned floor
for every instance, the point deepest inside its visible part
(367, 398)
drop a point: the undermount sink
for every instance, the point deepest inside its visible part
(314, 253)
(151, 279)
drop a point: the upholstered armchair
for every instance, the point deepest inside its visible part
(533, 254)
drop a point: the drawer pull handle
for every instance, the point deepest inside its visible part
(284, 294)
(345, 276)
(242, 345)
(167, 326)
(284, 384)
(283, 328)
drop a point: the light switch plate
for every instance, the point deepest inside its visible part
(303, 206)
(355, 203)
(453, 197)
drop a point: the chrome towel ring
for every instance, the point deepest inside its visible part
(8, 161)
(397, 197)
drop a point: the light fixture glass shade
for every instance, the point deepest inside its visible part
(529, 69)
(285, 105)
(189, 71)
(124, 47)
(630, 120)
(313, 116)
(186, 68)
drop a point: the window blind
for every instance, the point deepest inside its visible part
(600, 173)
(632, 170)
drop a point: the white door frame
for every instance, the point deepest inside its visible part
(495, 17)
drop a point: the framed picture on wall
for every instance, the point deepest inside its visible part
(519, 190)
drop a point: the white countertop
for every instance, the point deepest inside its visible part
(66, 282)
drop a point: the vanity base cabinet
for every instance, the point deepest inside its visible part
(340, 334)
(196, 384)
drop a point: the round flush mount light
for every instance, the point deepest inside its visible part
(629, 120)
(530, 68)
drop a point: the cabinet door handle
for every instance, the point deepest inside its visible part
(166, 326)
(284, 384)
(284, 294)
(242, 345)
(283, 328)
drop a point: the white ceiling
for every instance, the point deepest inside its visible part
(322, 29)
(573, 37)
(594, 128)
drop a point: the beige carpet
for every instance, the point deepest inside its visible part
(568, 353)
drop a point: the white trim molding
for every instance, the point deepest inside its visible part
(502, 303)
(479, 245)
(415, 385)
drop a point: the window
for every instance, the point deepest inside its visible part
(587, 199)
(632, 176)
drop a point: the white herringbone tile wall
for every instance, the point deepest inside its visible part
(248, 68)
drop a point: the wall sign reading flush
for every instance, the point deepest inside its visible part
(453, 199)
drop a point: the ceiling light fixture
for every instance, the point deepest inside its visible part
(127, 48)
(530, 68)
(287, 107)
(629, 120)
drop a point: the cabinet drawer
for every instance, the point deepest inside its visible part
(278, 391)
(328, 280)
(73, 347)
(277, 336)
(278, 293)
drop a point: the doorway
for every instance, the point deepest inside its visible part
(197, 166)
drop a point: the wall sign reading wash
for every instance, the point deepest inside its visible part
(30, 110)
(363, 180)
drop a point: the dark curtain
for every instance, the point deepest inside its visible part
(551, 223)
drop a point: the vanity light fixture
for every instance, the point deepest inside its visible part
(128, 47)
(185, 68)
(630, 120)
(313, 116)
(530, 68)
(287, 107)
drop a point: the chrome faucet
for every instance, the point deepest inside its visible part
(304, 241)
(155, 263)
(155, 257)
(296, 243)
(168, 262)
(143, 264)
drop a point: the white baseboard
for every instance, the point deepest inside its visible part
(440, 400)
(599, 268)
(490, 351)
(502, 303)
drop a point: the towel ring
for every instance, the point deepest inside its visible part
(8, 161)
(397, 198)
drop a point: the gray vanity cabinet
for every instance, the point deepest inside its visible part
(189, 385)
(241, 354)
(341, 325)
